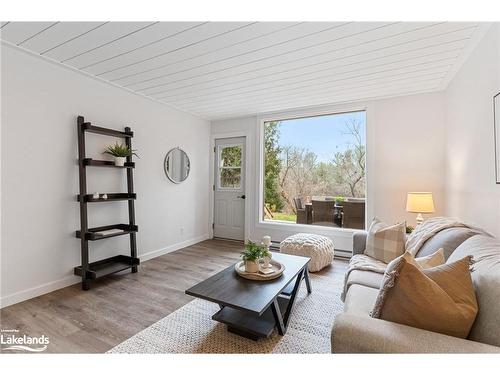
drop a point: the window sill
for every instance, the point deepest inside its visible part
(338, 232)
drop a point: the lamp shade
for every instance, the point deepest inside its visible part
(420, 202)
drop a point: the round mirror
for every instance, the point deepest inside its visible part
(177, 165)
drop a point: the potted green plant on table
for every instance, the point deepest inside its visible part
(251, 255)
(120, 153)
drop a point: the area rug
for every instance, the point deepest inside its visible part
(190, 329)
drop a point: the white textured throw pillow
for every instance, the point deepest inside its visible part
(385, 242)
(433, 260)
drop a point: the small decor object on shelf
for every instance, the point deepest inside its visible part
(109, 232)
(104, 196)
(95, 195)
(120, 153)
(251, 256)
(409, 229)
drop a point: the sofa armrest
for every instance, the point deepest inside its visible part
(359, 242)
(363, 334)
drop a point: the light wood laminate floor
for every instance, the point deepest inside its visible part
(119, 306)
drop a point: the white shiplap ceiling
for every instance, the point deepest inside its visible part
(230, 69)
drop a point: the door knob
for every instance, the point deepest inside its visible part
(241, 196)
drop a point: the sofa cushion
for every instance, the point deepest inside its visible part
(366, 278)
(448, 239)
(366, 260)
(360, 299)
(364, 267)
(439, 299)
(485, 251)
(373, 278)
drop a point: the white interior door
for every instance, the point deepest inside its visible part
(229, 188)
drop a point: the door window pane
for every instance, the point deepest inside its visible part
(230, 156)
(230, 178)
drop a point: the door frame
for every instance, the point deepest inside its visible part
(212, 150)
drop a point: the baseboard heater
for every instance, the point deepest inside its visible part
(339, 253)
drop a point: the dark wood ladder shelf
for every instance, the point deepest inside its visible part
(90, 271)
(94, 234)
(107, 266)
(105, 163)
(87, 127)
(88, 198)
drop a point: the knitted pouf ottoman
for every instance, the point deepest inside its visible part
(318, 248)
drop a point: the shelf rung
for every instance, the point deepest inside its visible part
(93, 234)
(105, 131)
(105, 163)
(111, 197)
(107, 266)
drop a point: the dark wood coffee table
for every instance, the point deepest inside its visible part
(254, 308)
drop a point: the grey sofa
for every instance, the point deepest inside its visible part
(354, 331)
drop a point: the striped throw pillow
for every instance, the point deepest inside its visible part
(385, 242)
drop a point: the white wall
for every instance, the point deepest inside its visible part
(408, 154)
(40, 102)
(405, 152)
(471, 192)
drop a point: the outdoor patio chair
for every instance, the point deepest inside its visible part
(353, 213)
(323, 213)
(301, 211)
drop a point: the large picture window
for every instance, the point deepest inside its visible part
(314, 170)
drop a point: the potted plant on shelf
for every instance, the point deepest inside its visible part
(251, 255)
(120, 153)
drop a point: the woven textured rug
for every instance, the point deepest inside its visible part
(190, 329)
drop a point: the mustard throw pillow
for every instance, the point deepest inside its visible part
(439, 299)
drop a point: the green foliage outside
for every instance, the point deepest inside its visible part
(284, 217)
(230, 157)
(272, 166)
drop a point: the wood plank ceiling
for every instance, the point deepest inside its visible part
(230, 69)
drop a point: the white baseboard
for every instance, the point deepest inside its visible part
(174, 247)
(36, 291)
